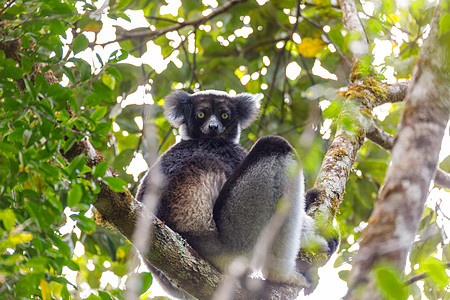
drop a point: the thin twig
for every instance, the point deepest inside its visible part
(389, 23)
(421, 276)
(194, 61)
(7, 5)
(166, 137)
(277, 67)
(338, 50)
(281, 133)
(308, 72)
(151, 35)
(163, 19)
(58, 124)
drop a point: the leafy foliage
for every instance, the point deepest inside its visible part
(63, 77)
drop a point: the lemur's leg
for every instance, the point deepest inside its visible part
(249, 199)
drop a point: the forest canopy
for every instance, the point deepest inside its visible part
(82, 86)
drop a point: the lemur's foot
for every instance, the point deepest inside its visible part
(292, 279)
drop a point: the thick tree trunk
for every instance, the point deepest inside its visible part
(397, 212)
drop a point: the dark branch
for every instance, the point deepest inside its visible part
(163, 19)
(380, 137)
(442, 178)
(386, 141)
(396, 92)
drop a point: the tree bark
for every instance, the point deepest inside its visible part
(397, 212)
(341, 154)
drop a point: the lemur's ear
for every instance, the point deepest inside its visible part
(175, 106)
(247, 108)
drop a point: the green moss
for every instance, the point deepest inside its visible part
(368, 90)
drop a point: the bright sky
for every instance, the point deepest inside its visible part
(330, 286)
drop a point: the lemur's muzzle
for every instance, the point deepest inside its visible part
(212, 127)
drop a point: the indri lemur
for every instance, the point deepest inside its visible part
(218, 196)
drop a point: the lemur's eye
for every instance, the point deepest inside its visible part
(225, 116)
(200, 115)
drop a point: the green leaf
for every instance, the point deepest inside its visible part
(61, 245)
(93, 99)
(103, 91)
(83, 68)
(115, 183)
(73, 265)
(426, 245)
(104, 295)
(9, 69)
(68, 72)
(26, 64)
(100, 169)
(15, 9)
(76, 165)
(391, 284)
(121, 4)
(333, 110)
(435, 269)
(146, 279)
(99, 113)
(38, 263)
(8, 218)
(50, 170)
(444, 24)
(75, 194)
(92, 296)
(80, 43)
(344, 275)
(84, 223)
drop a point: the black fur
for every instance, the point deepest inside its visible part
(311, 197)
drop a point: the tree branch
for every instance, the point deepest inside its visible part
(392, 228)
(151, 35)
(341, 154)
(442, 178)
(354, 27)
(396, 92)
(386, 141)
(380, 137)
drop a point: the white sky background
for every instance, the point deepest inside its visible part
(330, 286)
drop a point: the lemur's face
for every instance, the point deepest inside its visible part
(212, 117)
(211, 114)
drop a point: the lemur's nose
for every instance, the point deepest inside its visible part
(213, 127)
